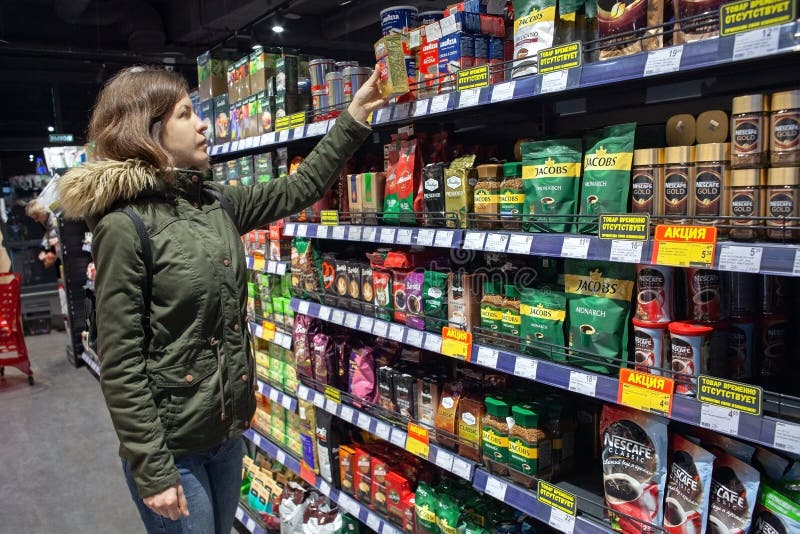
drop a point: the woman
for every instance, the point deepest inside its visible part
(181, 392)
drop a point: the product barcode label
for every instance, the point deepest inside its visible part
(414, 337)
(382, 431)
(298, 132)
(663, 61)
(302, 307)
(347, 413)
(398, 438)
(582, 383)
(575, 247)
(273, 395)
(396, 332)
(496, 488)
(363, 421)
(448, 25)
(324, 313)
(626, 251)
(503, 91)
(373, 521)
(474, 240)
(433, 342)
(787, 436)
(387, 235)
(719, 419)
(289, 229)
(302, 230)
(487, 357)
(401, 111)
(381, 328)
(351, 321)
(756, 43)
(354, 234)
(421, 107)
(324, 488)
(319, 401)
(338, 232)
(469, 97)
(553, 82)
(338, 317)
(366, 324)
(444, 460)
(520, 244)
(526, 367)
(496, 242)
(561, 521)
(268, 138)
(444, 238)
(740, 259)
(440, 103)
(404, 236)
(281, 457)
(462, 468)
(425, 237)
(370, 232)
(323, 232)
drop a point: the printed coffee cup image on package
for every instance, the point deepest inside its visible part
(688, 487)
(551, 173)
(543, 313)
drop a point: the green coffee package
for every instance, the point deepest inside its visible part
(551, 173)
(426, 504)
(599, 296)
(543, 314)
(306, 268)
(778, 509)
(459, 180)
(448, 514)
(606, 172)
(434, 300)
(534, 30)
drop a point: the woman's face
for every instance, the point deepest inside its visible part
(183, 137)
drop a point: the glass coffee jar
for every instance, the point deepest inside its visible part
(647, 181)
(745, 203)
(784, 128)
(711, 174)
(749, 147)
(781, 200)
(678, 179)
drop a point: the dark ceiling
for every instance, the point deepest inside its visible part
(56, 54)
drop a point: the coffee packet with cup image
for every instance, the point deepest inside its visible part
(551, 173)
(434, 300)
(734, 490)
(534, 30)
(599, 296)
(606, 172)
(688, 487)
(778, 509)
(543, 313)
(634, 456)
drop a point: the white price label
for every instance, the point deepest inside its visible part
(382, 430)
(316, 128)
(444, 238)
(298, 132)
(338, 317)
(283, 136)
(373, 522)
(363, 421)
(325, 488)
(386, 528)
(239, 514)
(787, 436)
(496, 488)
(380, 115)
(281, 457)
(448, 25)
(249, 142)
(280, 268)
(796, 265)
(396, 332)
(366, 324)
(444, 460)
(331, 124)
(259, 331)
(286, 402)
(562, 521)
(273, 395)
(234, 146)
(415, 38)
(469, 97)
(425, 237)
(520, 244)
(354, 234)
(433, 32)
(302, 230)
(331, 407)
(496, 242)
(323, 232)
(462, 468)
(338, 232)
(421, 107)
(526, 368)
(433, 342)
(719, 419)
(398, 438)
(575, 247)
(740, 259)
(319, 401)
(503, 91)
(250, 524)
(582, 383)
(289, 230)
(626, 251)
(474, 240)
(756, 43)
(387, 235)
(347, 413)
(351, 321)
(369, 233)
(402, 111)
(348, 504)
(324, 313)
(404, 236)
(414, 337)
(381, 328)
(663, 61)
(440, 103)
(487, 357)
(272, 267)
(552, 82)
(226, 148)
(268, 138)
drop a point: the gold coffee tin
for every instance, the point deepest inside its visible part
(749, 104)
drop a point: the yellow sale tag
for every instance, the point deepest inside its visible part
(259, 263)
(646, 392)
(329, 217)
(456, 343)
(333, 394)
(418, 441)
(269, 330)
(684, 246)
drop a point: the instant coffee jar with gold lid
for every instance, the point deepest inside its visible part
(785, 128)
(647, 178)
(745, 203)
(781, 198)
(678, 179)
(748, 131)
(711, 175)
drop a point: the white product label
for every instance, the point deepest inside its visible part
(281, 457)
(338, 317)
(520, 244)
(325, 488)
(286, 402)
(258, 331)
(324, 313)
(503, 91)
(382, 430)
(626, 251)
(316, 129)
(421, 107)
(796, 265)
(398, 438)
(444, 238)
(469, 97)
(373, 521)
(283, 136)
(553, 82)
(582, 383)
(319, 401)
(561, 521)
(290, 229)
(402, 111)
(370, 234)
(348, 504)
(474, 240)
(448, 25)
(663, 61)
(280, 268)
(234, 146)
(347, 413)
(272, 267)
(496, 242)
(414, 337)
(444, 460)
(354, 234)
(363, 421)
(268, 138)
(756, 43)
(487, 357)
(366, 324)
(380, 115)
(462, 468)
(433, 342)
(273, 395)
(351, 321)
(302, 230)
(338, 232)
(440, 103)
(525, 367)
(496, 488)
(298, 132)
(740, 259)
(404, 236)
(225, 148)
(719, 419)
(425, 237)
(575, 247)
(323, 232)
(787, 436)
(381, 328)
(331, 124)
(396, 332)
(248, 143)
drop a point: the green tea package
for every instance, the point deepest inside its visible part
(448, 514)
(534, 30)
(606, 173)
(599, 296)
(434, 300)
(551, 173)
(543, 314)
(459, 180)
(425, 505)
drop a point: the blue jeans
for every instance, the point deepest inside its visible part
(211, 482)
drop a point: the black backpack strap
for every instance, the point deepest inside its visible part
(147, 258)
(225, 203)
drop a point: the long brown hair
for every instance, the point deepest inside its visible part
(127, 118)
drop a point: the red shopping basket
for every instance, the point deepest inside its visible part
(13, 351)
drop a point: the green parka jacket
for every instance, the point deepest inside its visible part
(193, 388)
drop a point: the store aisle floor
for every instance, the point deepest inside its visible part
(59, 468)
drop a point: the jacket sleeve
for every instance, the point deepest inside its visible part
(123, 375)
(263, 203)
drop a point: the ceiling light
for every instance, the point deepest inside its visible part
(345, 2)
(30, 157)
(51, 129)
(277, 28)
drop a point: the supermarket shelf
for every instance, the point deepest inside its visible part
(387, 235)
(256, 263)
(764, 430)
(268, 331)
(243, 516)
(275, 395)
(441, 457)
(92, 364)
(345, 502)
(307, 131)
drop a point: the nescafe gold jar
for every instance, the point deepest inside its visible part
(745, 203)
(676, 194)
(749, 147)
(781, 197)
(785, 128)
(647, 181)
(711, 175)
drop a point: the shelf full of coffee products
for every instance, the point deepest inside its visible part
(389, 235)
(344, 501)
(243, 517)
(275, 395)
(258, 263)
(761, 429)
(501, 489)
(268, 331)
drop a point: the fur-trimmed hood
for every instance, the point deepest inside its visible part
(90, 190)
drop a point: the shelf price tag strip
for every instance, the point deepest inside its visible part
(684, 246)
(646, 392)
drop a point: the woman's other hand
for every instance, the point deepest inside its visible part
(169, 503)
(368, 98)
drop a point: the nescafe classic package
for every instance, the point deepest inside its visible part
(734, 488)
(634, 468)
(688, 487)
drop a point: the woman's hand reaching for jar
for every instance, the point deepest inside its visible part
(368, 98)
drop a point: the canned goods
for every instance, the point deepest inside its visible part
(654, 293)
(398, 19)
(650, 344)
(705, 295)
(335, 83)
(690, 347)
(319, 68)
(354, 78)
(341, 65)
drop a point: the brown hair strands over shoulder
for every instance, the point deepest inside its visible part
(127, 118)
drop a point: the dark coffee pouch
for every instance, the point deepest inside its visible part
(323, 358)
(328, 440)
(542, 330)
(734, 490)
(354, 286)
(405, 385)
(688, 487)
(329, 277)
(363, 382)
(305, 328)
(414, 286)
(340, 282)
(386, 388)
(433, 194)
(606, 173)
(551, 172)
(434, 300)
(342, 348)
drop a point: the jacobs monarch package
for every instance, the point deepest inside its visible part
(599, 296)
(534, 29)
(543, 314)
(551, 173)
(606, 172)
